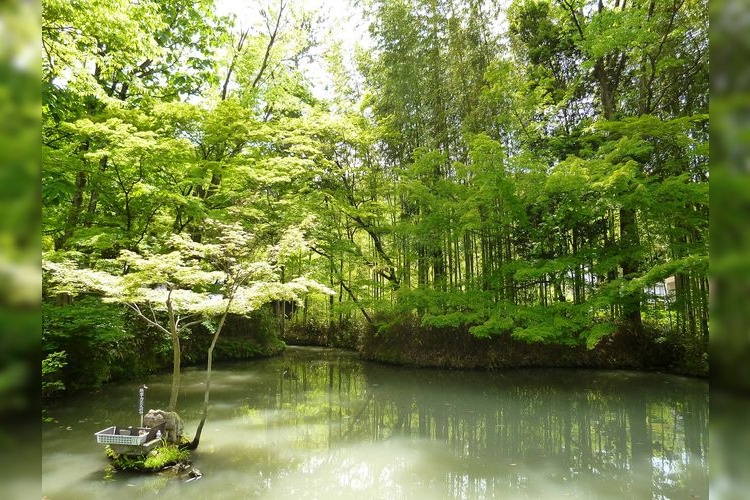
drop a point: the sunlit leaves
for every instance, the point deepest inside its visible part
(521, 189)
(116, 50)
(614, 30)
(109, 34)
(196, 278)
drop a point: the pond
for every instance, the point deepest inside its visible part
(320, 423)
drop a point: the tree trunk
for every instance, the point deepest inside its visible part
(74, 212)
(631, 303)
(206, 394)
(176, 355)
(176, 358)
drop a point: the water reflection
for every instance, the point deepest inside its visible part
(317, 424)
(588, 431)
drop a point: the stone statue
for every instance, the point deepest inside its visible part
(172, 426)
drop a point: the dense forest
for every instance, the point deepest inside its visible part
(476, 183)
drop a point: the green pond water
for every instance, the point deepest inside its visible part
(319, 423)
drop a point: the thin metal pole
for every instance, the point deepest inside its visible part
(141, 398)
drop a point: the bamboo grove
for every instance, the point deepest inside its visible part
(537, 169)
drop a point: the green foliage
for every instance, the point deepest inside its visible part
(244, 337)
(157, 459)
(538, 183)
(52, 365)
(165, 456)
(93, 336)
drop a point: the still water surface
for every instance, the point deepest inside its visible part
(318, 423)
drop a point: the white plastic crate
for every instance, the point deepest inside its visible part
(111, 435)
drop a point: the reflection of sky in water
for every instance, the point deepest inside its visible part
(669, 468)
(317, 424)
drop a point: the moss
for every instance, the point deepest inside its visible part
(154, 461)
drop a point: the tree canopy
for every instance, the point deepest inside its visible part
(536, 170)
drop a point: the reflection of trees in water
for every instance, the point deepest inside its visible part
(647, 433)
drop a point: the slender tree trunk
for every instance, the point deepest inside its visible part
(207, 392)
(94, 199)
(631, 305)
(74, 211)
(176, 355)
(235, 56)
(273, 34)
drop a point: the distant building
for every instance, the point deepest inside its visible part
(669, 283)
(662, 289)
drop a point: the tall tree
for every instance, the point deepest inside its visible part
(191, 284)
